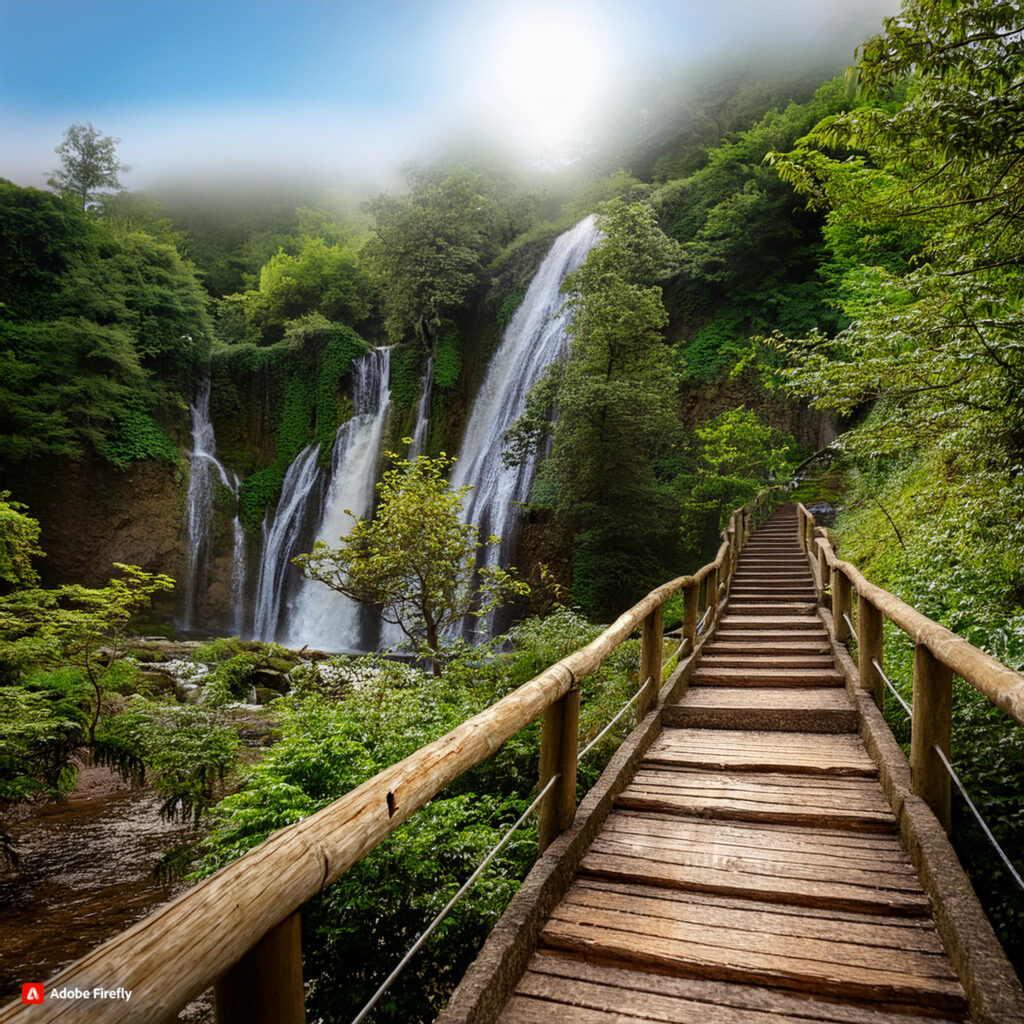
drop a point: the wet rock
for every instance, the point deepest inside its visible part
(270, 679)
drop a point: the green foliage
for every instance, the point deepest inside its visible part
(187, 750)
(19, 544)
(427, 250)
(615, 398)
(255, 493)
(98, 331)
(510, 304)
(75, 625)
(414, 562)
(447, 358)
(138, 436)
(406, 365)
(363, 924)
(322, 279)
(88, 163)
(39, 734)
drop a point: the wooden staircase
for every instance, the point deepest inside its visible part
(751, 872)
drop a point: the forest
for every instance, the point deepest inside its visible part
(798, 266)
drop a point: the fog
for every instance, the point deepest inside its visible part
(543, 84)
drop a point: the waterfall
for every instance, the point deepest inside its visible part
(534, 338)
(419, 437)
(204, 468)
(318, 616)
(237, 573)
(281, 542)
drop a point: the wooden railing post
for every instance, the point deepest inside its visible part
(265, 986)
(651, 654)
(809, 535)
(559, 742)
(823, 575)
(690, 593)
(711, 594)
(841, 604)
(801, 528)
(930, 728)
(869, 648)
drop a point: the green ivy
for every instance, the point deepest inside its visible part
(331, 410)
(448, 360)
(138, 436)
(256, 493)
(302, 388)
(512, 302)
(406, 366)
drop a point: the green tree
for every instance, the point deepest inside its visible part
(736, 456)
(936, 343)
(75, 625)
(19, 544)
(319, 278)
(88, 164)
(414, 562)
(39, 735)
(427, 250)
(99, 330)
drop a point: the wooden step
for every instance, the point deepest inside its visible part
(878, 959)
(712, 676)
(842, 803)
(810, 644)
(777, 864)
(800, 752)
(779, 709)
(741, 607)
(566, 989)
(769, 659)
(734, 621)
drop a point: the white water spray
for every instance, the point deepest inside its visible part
(319, 616)
(534, 338)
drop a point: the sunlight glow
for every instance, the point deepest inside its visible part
(549, 74)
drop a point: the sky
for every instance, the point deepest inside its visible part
(352, 88)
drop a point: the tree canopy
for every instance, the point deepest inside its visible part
(414, 561)
(88, 164)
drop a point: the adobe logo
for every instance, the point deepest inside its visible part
(32, 993)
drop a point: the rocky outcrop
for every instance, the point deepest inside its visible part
(93, 515)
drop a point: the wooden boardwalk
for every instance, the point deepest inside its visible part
(751, 871)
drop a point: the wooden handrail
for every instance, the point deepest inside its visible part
(216, 931)
(938, 653)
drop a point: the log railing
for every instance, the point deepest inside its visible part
(238, 930)
(938, 655)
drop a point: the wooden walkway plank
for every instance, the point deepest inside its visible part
(559, 986)
(751, 871)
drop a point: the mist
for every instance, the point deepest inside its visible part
(344, 94)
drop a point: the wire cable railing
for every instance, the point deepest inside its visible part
(956, 780)
(442, 914)
(481, 867)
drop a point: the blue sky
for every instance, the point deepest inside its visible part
(353, 86)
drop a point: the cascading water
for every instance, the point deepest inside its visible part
(534, 338)
(281, 542)
(318, 616)
(204, 468)
(419, 437)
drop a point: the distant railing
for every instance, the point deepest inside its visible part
(238, 930)
(938, 654)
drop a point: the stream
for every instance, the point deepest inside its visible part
(85, 875)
